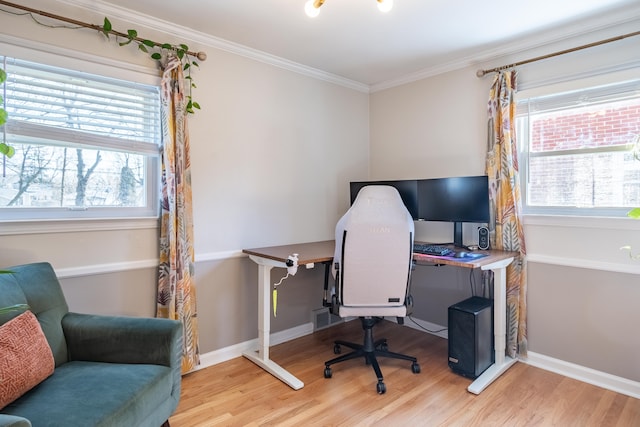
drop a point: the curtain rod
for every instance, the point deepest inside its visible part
(200, 55)
(482, 73)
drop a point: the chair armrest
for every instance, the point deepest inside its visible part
(13, 421)
(121, 339)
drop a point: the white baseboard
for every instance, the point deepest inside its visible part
(584, 374)
(236, 350)
(571, 370)
(227, 353)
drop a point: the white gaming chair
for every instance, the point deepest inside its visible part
(372, 268)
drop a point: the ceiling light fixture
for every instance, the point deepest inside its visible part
(385, 5)
(312, 7)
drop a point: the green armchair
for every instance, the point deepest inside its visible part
(109, 370)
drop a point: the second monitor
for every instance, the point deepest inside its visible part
(453, 199)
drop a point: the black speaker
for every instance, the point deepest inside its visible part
(471, 348)
(483, 238)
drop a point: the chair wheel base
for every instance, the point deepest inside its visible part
(327, 372)
(369, 350)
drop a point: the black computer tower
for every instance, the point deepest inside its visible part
(471, 342)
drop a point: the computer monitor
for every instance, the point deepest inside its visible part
(454, 199)
(408, 190)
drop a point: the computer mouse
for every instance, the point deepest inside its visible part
(460, 254)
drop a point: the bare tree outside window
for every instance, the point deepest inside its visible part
(86, 144)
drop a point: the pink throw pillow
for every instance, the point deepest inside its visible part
(25, 357)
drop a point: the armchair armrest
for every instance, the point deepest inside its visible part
(120, 339)
(13, 421)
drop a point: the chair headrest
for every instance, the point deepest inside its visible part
(379, 202)
(379, 192)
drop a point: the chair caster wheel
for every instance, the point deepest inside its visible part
(327, 372)
(337, 349)
(415, 368)
(381, 388)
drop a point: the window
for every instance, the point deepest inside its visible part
(86, 146)
(577, 156)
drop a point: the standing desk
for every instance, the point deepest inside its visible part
(322, 252)
(267, 258)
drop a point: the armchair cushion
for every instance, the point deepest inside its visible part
(98, 395)
(26, 357)
(94, 394)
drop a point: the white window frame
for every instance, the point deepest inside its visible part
(523, 144)
(99, 214)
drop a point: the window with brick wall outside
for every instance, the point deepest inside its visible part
(577, 153)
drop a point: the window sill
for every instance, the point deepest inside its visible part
(75, 225)
(602, 223)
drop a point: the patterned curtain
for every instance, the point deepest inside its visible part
(176, 287)
(506, 231)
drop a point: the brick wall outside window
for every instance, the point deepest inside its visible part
(590, 176)
(616, 124)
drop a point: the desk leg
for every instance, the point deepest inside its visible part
(502, 362)
(261, 356)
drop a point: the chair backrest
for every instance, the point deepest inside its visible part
(374, 245)
(37, 285)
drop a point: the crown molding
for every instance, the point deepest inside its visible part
(566, 33)
(601, 23)
(147, 21)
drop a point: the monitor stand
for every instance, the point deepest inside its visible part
(457, 236)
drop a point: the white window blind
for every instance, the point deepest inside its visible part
(593, 96)
(66, 99)
(86, 145)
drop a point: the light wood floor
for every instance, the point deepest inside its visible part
(238, 393)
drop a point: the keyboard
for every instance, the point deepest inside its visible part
(430, 249)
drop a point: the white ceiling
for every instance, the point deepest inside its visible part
(352, 39)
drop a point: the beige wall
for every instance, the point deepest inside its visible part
(430, 128)
(585, 316)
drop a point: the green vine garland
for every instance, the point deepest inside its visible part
(157, 51)
(5, 149)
